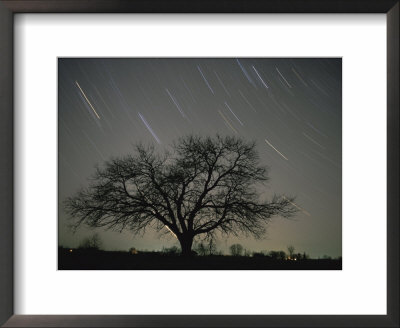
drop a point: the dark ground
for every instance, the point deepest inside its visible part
(106, 260)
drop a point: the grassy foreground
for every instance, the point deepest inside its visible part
(76, 259)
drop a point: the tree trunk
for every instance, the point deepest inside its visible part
(186, 245)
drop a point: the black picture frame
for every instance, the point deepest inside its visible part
(10, 7)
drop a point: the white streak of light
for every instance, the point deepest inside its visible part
(259, 76)
(245, 73)
(312, 140)
(205, 80)
(76, 82)
(220, 81)
(319, 88)
(227, 122)
(176, 104)
(316, 130)
(275, 149)
(233, 113)
(149, 128)
(300, 78)
(298, 207)
(283, 77)
(171, 232)
(245, 99)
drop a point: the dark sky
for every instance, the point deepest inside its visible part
(291, 107)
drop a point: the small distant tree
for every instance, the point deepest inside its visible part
(291, 250)
(133, 251)
(277, 255)
(236, 250)
(93, 242)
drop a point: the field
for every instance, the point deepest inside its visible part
(76, 259)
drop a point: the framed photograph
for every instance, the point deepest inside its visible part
(228, 120)
(161, 163)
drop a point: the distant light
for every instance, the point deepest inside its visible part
(70, 250)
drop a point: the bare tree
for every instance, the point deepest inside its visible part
(93, 242)
(236, 249)
(203, 186)
(277, 255)
(291, 250)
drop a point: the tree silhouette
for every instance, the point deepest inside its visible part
(202, 186)
(291, 249)
(91, 243)
(236, 250)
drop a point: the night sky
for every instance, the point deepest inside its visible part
(291, 107)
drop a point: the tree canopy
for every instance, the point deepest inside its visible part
(202, 186)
